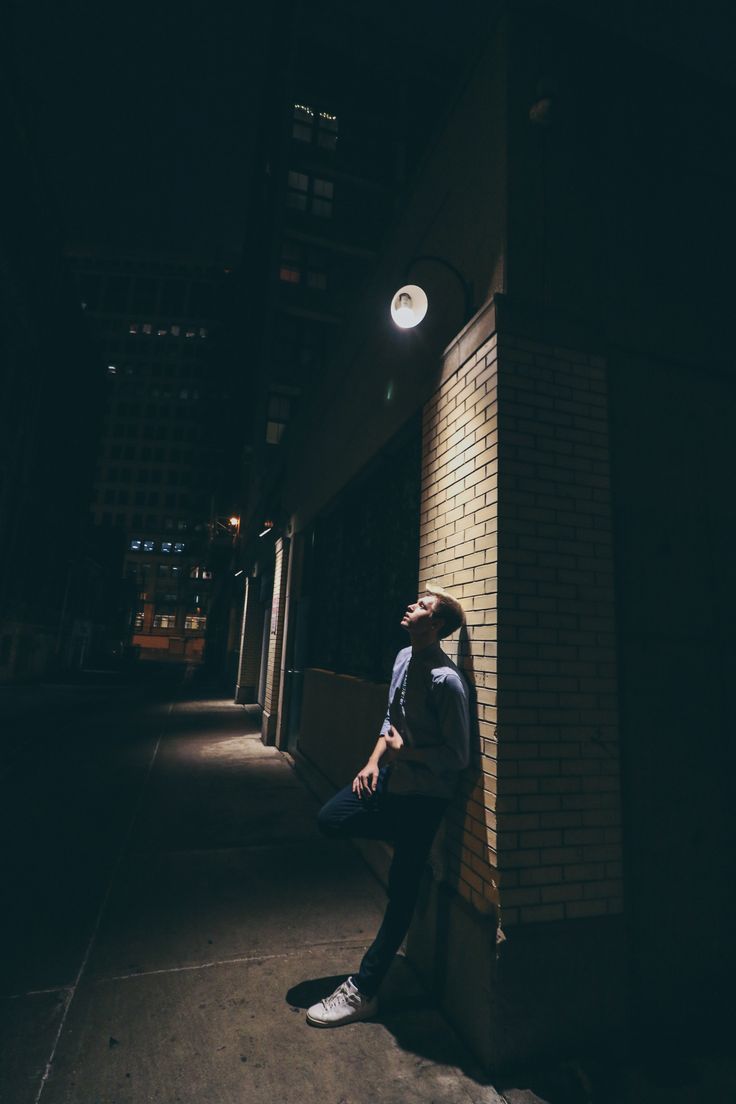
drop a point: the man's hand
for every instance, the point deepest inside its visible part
(365, 781)
(394, 744)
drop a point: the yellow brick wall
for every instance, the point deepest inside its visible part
(458, 550)
(275, 640)
(515, 521)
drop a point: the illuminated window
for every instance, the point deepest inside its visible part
(133, 328)
(138, 621)
(135, 546)
(296, 196)
(175, 331)
(195, 623)
(327, 130)
(179, 548)
(274, 432)
(303, 124)
(166, 546)
(149, 546)
(289, 273)
(309, 125)
(290, 270)
(313, 194)
(164, 621)
(147, 328)
(111, 370)
(322, 198)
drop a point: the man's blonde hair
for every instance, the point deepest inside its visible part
(447, 609)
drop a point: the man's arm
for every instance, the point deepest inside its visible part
(366, 780)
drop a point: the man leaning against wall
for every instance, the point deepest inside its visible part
(403, 791)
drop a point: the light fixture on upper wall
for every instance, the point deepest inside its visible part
(409, 306)
(410, 303)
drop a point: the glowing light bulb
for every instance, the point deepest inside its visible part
(404, 314)
(408, 306)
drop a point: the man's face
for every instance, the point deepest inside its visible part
(418, 616)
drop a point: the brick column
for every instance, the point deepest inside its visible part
(275, 642)
(249, 660)
(558, 765)
(515, 522)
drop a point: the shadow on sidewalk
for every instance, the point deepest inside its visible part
(408, 1013)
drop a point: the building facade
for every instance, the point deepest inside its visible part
(165, 440)
(559, 461)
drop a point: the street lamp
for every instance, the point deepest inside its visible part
(409, 304)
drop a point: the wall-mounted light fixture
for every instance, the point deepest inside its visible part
(409, 306)
(410, 303)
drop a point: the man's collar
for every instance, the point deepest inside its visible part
(428, 652)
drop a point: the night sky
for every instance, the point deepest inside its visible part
(143, 117)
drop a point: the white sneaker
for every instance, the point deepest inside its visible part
(343, 1006)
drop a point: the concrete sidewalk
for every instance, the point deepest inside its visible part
(172, 911)
(225, 917)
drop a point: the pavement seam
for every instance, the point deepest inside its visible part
(349, 944)
(72, 989)
(36, 993)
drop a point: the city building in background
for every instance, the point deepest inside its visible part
(165, 438)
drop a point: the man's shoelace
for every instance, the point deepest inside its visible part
(334, 998)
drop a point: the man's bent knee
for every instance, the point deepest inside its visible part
(329, 823)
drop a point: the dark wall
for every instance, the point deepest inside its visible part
(364, 565)
(620, 193)
(621, 220)
(675, 526)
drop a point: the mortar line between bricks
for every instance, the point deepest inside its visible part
(347, 943)
(72, 989)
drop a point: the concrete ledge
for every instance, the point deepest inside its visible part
(340, 721)
(268, 727)
(552, 991)
(245, 695)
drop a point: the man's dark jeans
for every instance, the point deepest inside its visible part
(410, 823)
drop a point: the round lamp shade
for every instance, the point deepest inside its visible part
(408, 306)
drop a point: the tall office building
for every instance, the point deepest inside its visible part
(164, 439)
